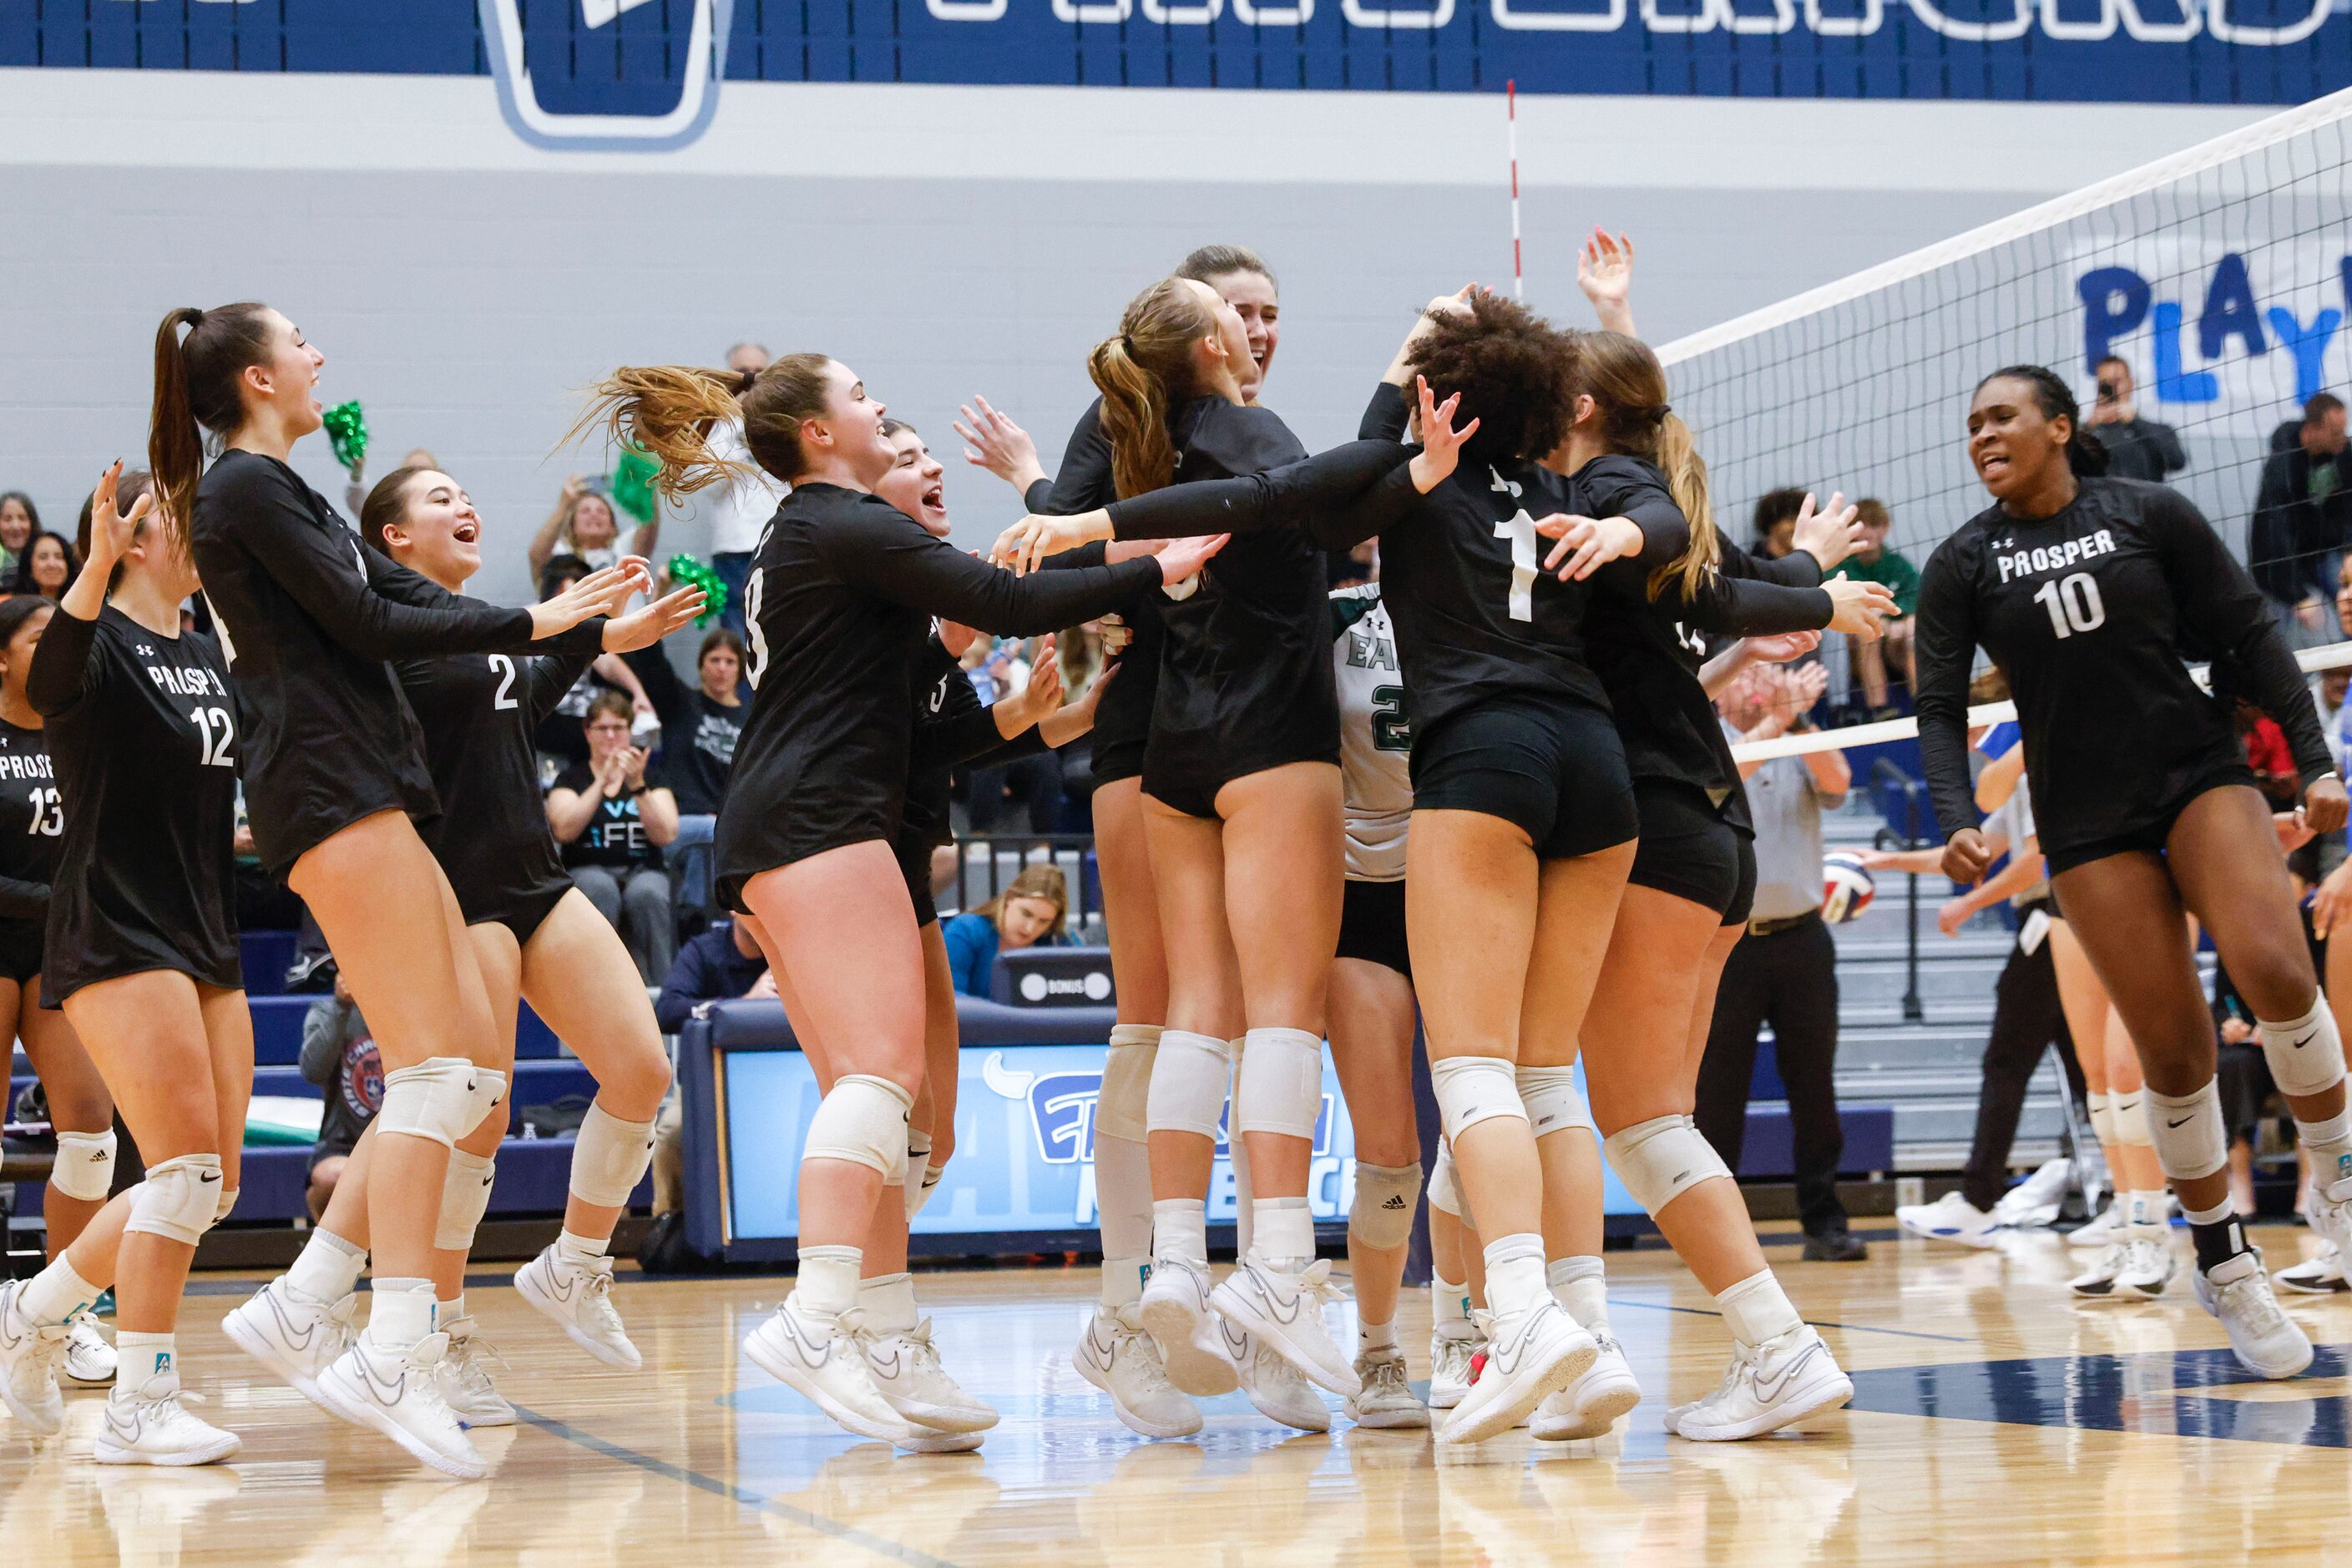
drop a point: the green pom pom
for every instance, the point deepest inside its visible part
(633, 483)
(347, 431)
(687, 572)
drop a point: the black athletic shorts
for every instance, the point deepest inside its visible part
(2150, 836)
(914, 854)
(1553, 766)
(1743, 897)
(521, 910)
(1371, 924)
(20, 949)
(1686, 849)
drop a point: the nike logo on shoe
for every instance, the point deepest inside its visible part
(813, 1353)
(1788, 1374)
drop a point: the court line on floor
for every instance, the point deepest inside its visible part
(847, 1534)
(1814, 1322)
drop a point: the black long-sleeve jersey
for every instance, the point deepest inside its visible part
(143, 733)
(309, 617)
(2087, 611)
(1123, 720)
(839, 605)
(953, 727)
(1648, 652)
(32, 830)
(1475, 616)
(479, 713)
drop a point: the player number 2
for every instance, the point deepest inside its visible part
(215, 730)
(48, 813)
(504, 665)
(2073, 604)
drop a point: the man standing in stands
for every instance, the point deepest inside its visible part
(2137, 449)
(2303, 518)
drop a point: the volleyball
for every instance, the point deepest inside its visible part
(1847, 887)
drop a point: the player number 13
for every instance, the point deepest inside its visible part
(2073, 604)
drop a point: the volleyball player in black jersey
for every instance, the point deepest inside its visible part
(534, 937)
(839, 604)
(334, 772)
(81, 1109)
(1523, 820)
(140, 951)
(2084, 590)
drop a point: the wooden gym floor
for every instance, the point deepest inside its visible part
(1995, 1422)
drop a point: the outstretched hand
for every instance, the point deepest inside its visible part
(1022, 546)
(1604, 270)
(992, 441)
(1440, 443)
(1829, 535)
(112, 532)
(1586, 544)
(645, 627)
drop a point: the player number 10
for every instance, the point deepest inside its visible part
(2073, 604)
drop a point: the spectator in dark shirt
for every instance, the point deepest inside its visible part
(48, 566)
(720, 965)
(339, 1054)
(559, 739)
(2137, 449)
(1030, 912)
(699, 725)
(2303, 516)
(612, 815)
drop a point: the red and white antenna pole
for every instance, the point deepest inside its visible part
(1518, 275)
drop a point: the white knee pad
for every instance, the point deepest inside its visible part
(1471, 1090)
(2306, 1055)
(2191, 1140)
(227, 1201)
(1661, 1159)
(1445, 1184)
(465, 1199)
(85, 1166)
(442, 1098)
(179, 1199)
(2131, 1119)
(2103, 1118)
(1280, 1081)
(1553, 1101)
(609, 1158)
(1189, 1076)
(922, 1180)
(1386, 1197)
(1122, 1108)
(864, 1123)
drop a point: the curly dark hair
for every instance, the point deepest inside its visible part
(1513, 371)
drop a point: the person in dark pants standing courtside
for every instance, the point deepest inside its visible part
(1784, 971)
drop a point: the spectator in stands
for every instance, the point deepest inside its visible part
(2302, 518)
(48, 566)
(2268, 753)
(699, 725)
(1784, 971)
(612, 815)
(561, 741)
(740, 506)
(19, 521)
(1776, 532)
(2137, 449)
(583, 523)
(1030, 912)
(339, 1054)
(1031, 784)
(1878, 561)
(720, 965)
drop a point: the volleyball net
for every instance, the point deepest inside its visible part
(2220, 277)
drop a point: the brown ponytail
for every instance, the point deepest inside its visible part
(668, 410)
(1139, 373)
(196, 385)
(1628, 388)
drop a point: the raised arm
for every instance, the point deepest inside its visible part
(886, 553)
(545, 680)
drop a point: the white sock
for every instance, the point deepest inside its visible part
(583, 1250)
(402, 1314)
(1580, 1286)
(887, 1301)
(1375, 1336)
(144, 1363)
(57, 1293)
(1179, 1228)
(1122, 1281)
(1282, 1233)
(1514, 1273)
(1237, 1155)
(1757, 1309)
(1449, 1302)
(327, 1268)
(2144, 1208)
(449, 1311)
(2329, 1145)
(827, 1286)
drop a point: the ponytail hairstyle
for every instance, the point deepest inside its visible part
(1631, 414)
(1143, 372)
(132, 484)
(669, 409)
(385, 506)
(2085, 455)
(196, 385)
(1510, 369)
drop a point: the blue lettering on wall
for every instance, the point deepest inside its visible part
(2307, 343)
(2114, 302)
(2118, 301)
(2230, 310)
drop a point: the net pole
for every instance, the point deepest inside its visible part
(1511, 119)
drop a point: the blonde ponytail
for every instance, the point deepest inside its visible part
(668, 410)
(1677, 457)
(1140, 372)
(1628, 388)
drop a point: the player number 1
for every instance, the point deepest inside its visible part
(1521, 531)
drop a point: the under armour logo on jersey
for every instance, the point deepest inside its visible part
(145, 651)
